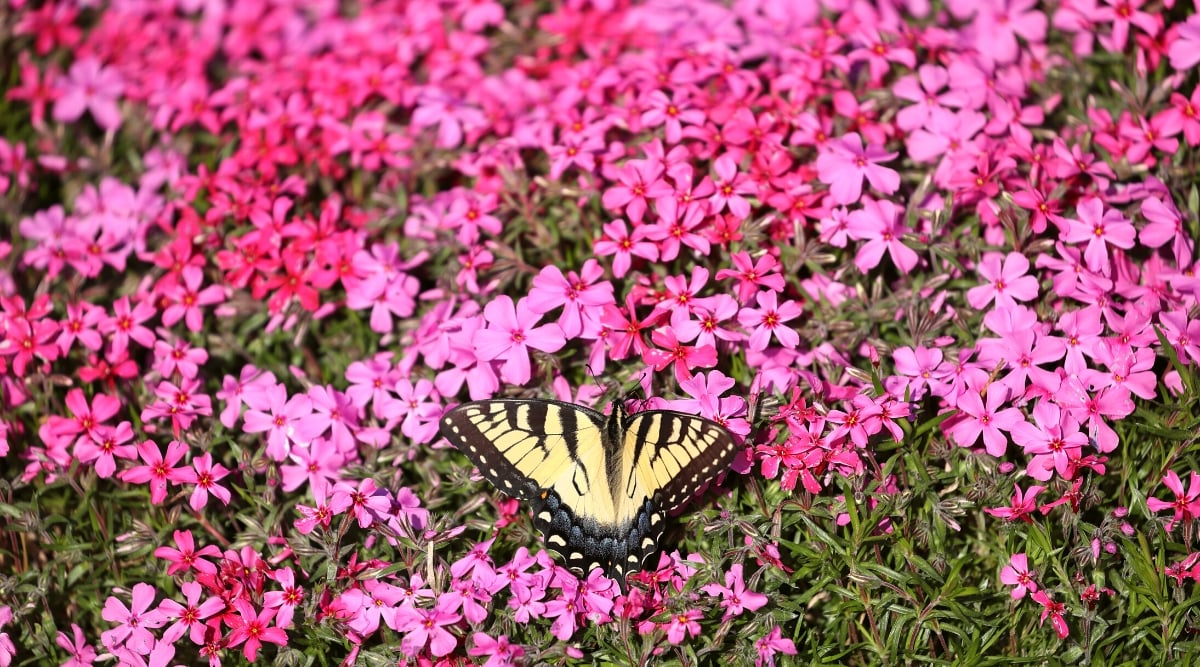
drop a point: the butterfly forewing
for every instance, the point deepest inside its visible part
(677, 453)
(524, 446)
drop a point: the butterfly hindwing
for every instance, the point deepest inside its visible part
(599, 487)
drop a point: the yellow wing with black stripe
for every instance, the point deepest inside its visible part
(600, 487)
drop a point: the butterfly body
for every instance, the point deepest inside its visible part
(600, 486)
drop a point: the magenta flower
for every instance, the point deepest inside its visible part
(769, 320)
(1053, 439)
(136, 620)
(881, 224)
(770, 644)
(625, 246)
(1186, 504)
(684, 357)
(253, 628)
(1056, 611)
(579, 294)
(684, 624)
(1017, 573)
(511, 332)
(1022, 504)
(989, 420)
(206, 475)
(753, 275)
(427, 627)
(1008, 281)
(844, 163)
(188, 618)
(186, 557)
(285, 420)
(157, 469)
(1100, 229)
(77, 647)
(735, 598)
(638, 182)
(90, 86)
(499, 652)
(1185, 51)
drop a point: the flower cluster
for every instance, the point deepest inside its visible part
(336, 225)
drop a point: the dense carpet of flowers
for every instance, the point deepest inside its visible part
(934, 262)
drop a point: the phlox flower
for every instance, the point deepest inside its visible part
(880, 223)
(105, 445)
(187, 299)
(90, 86)
(427, 627)
(1186, 504)
(285, 420)
(735, 597)
(1017, 573)
(671, 351)
(206, 475)
(924, 89)
(1055, 611)
(1007, 281)
(683, 624)
(581, 295)
(367, 501)
(844, 163)
(81, 653)
(753, 275)
(136, 620)
(670, 112)
(624, 246)
(188, 616)
(638, 182)
(1185, 51)
(988, 419)
(677, 227)
(770, 644)
(499, 652)
(1100, 229)
(1053, 439)
(157, 469)
(186, 558)
(253, 628)
(512, 331)
(1022, 505)
(768, 320)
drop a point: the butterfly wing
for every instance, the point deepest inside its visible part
(555, 456)
(674, 454)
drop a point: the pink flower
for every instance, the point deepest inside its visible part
(844, 163)
(135, 621)
(638, 182)
(423, 627)
(253, 628)
(1185, 51)
(990, 420)
(90, 86)
(1007, 283)
(618, 241)
(511, 332)
(1017, 573)
(770, 644)
(579, 294)
(1056, 611)
(1100, 229)
(735, 598)
(684, 624)
(157, 469)
(881, 224)
(769, 320)
(1186, 504)
(753, 275)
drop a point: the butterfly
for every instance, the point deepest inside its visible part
(600, 486)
